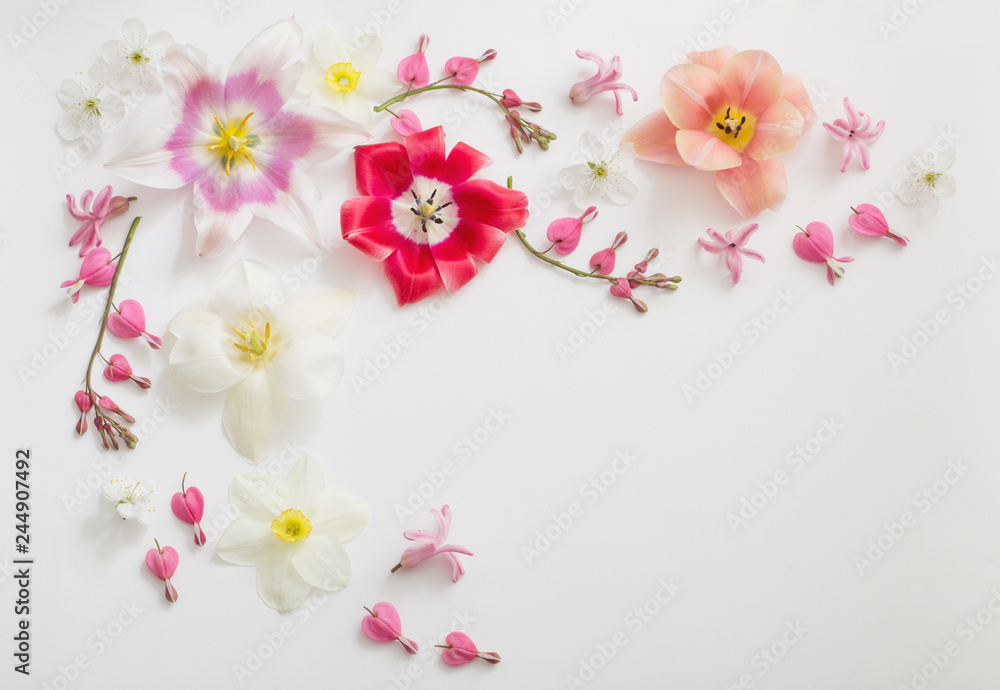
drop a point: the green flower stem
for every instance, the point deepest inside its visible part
(434, 87)
(559, 264)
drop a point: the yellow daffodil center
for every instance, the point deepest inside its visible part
(292, 525)
(342, 77)
(233, 142)
(734, 127)
(253, 344)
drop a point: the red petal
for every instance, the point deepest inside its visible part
(488, 203)
(366, 222)
(464, 162)
(426, 151)
(412, 272)
(480, 240)
(454, 264)
(382, 169)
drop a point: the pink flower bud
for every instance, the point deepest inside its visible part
(460, 649)
(163, 563)
(463, 70)
(383, 626)
(407, 123)
(130, 322)
(565, 233)
(487, 56)
(189, 506)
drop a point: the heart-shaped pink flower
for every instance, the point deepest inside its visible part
(815, 244)
(460, 649)
(97, 270)
(130, 322)
(189, 506)
(869, 220)
(162, 562)
(119, 369)
(383, 626)
(564, 233)
(463, 69)
(407, 123)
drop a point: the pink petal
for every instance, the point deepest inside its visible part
(465, 70)
(407, 123)
(713, 59)
(734, 263)
(189, 506)
(162, 565)
(129, 321)
(193, 87)
(486, 202)
(705, 151)
(603, 262)
(821, 236)
(691, 96)
(382, 169)
(653, 139)
(454, 264)
(848, 154)
(778, 131)
(462, 649)
(218, 225)
(565, 232)
(119, 368)
(256, 82)
(795, 93)
(743, 236)
(412, 71)
(752, 81)
(754, 186)
(426, 151)
(384, 626)
(621, 288)
(366, 222)
(478, 239)
(806, 250)
(869, 221)
(308, 134)
(165, 157)
(412, 273)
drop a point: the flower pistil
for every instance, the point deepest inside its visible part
(233, 141)
(255, 346)
(735, 128)
(292, 525)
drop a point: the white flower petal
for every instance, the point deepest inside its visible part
(621, 191)
(196, 314)
(254, 415)
(70, 94)
(97, 77)
(183, 67)
(592, 146)
(278, 585)
(308, 367)
(339, 516)
(127, 510)
(304, 484)
(323, 310)
(351, 105)
(328, 48)
(70, 128)
(365, 52)
(945, 186)
(246, 542)
(147, 161)
(929, 206)
(625, 156)
(134, 31)
(945, 159)
(269, 51)
(575, 176)
(287, 209)
(378, 85)
(323, 563)
(585, 196)
(257, 496)
(217, 228)
(247, 290)
(311, 78)
(332, 132)
(206, 359)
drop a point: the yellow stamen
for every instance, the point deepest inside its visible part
(234, 142)
(734, 127)
(292, 525)
(255, 346)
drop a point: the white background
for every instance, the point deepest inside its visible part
(496, 347)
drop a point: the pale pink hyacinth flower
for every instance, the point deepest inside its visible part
(407, 123)
(237, 142)
(606, 79)
(130, 322)
(119, 369)
(97, 270)
(435, 546)
(564, 233)
(383, 626)
(93, 210)
(857, 132)
(412, 71)
(869, 220)
(815, 244)
(732, 246)
(163, 564)
(603, 261)
(460, 649)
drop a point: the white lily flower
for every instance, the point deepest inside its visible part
(292, 530)
(928, 181)
(344, 77)
(135, 57)
(602, 175)
(262, 348)
(86, 110)
(132, 498)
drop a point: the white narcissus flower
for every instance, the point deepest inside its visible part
(135, 58)
(86, 110)
(262, 348)
(132, 497)
(928, 181)
(292, 531)
(602, 175)
(344, 77)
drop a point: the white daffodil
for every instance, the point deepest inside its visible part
(132, 497)
(344, 77)
(928, 181)
(262, 348)
(86, 110)
(602, 175)
(134, 59)
(292, 531)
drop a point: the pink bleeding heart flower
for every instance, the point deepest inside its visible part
(623, 289)
(383, 626)
(119, 369)
(84, 403)
(412, 70)
(106, 403)
(435, 546)
(463, 70)
(603, 262)
(406, 123)
(733, 248)
(163, 563)
(189, 506)
(460, 649)
(869, 220)
(857, 132)
(512, 100)
(815, 244)
(130, 322)
(96, 270)
(564, 233)
(606, 79)
(93, 211)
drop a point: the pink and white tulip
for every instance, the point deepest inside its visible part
(383, 626)
(815, 244)
(460, 649)
(434, 546)
(857, 132)
(869, 220)
(237, 142)
(129, 321)
(733, 248)
(606, 79)
(96, 270)
(93, 211)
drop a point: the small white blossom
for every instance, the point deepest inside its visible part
(602, 176)
(928, 182)
(134, 59)
(86, 109)
(132, 496)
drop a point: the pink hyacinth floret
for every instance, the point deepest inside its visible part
(94, 210)
(857, 132)
(435, 546)
(606, 79)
